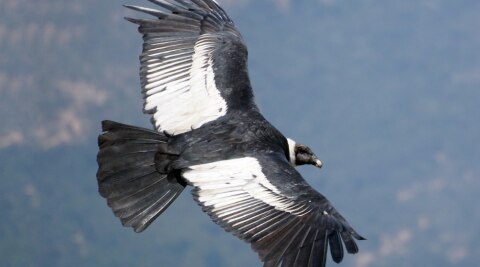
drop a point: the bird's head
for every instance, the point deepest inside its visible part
(302, 154)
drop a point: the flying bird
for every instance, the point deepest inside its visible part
(210, 135)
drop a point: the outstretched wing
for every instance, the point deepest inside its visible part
(265, 201)
(193, 65)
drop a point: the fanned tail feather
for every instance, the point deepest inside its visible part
(133, 173)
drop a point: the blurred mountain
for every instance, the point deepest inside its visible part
(387, 94)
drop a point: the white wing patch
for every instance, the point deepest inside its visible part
(179, 84)
(208, 104)
(239, 183)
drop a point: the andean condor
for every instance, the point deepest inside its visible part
(209, 134)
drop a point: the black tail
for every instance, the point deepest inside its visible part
(133, 173)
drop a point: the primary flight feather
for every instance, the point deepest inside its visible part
(209, 134)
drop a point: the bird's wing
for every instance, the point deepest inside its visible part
(265, 201)
(193, 65)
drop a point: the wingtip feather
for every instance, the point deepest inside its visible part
(336, 247)
(357, 236)
(132, 20)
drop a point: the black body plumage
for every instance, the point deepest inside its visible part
(210, 135)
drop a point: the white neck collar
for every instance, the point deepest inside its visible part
(291, 150)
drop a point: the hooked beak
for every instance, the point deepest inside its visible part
(317, 163)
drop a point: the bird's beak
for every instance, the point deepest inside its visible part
(317, 163)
